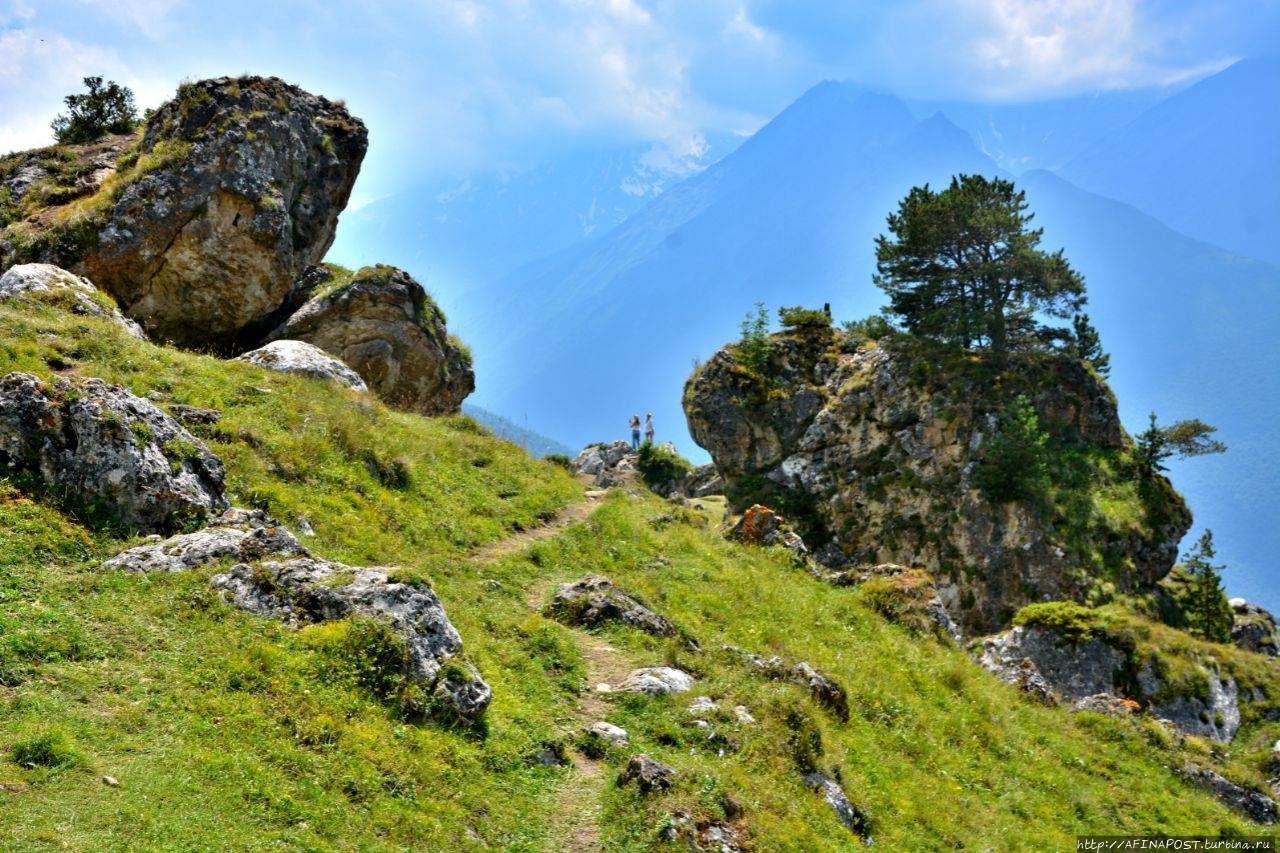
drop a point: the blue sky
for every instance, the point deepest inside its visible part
(452, 86)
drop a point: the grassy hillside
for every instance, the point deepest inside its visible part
(225, 731)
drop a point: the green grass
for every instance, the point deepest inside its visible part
(227, 731)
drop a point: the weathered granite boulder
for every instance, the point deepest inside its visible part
(45, 284)
(383, 326)
(1073, 669)
(656, 681)
(304, 359)
(241, 535)
(875, 451)
(649, 775)
(1254, 628)
(308, 590)
(109, 449)
(594, 600)
(234, 190)
(608, 735)
(597, 457)
(1259, 808)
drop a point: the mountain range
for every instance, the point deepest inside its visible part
(581, 337)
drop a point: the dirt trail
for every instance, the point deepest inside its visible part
(575, 815)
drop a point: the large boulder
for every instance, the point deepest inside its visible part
(304, 359)
(1254, 628)
(233, 191)
(383, 325)
(110, 450)
(302, 590)
(45, 284)
(237, 535)
(873, 453)
(595, 600)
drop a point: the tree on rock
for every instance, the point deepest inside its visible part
(962, 266)
(94, 114)
(1209, 612)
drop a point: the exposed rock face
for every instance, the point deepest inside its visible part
(872, 454)
(238, 534)
(1079, 670)
(252, 174)
(385, 327)
(595, 599)
(50, 285)
(305, 359)
(110, 448)
(825, 691)
(1259, 808)
(308, 590)
(1254, 628)
(703, 481)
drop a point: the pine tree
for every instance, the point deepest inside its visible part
(963, 267)
(1209, 612)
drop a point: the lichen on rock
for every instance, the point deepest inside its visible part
(382, 324)
(107, 449)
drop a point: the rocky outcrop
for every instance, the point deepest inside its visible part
(1259, 808)
(234, 190)
(872, 456)
(238, 534)
(825, 691)
(304, 359)
(382, 324)
(45, 284)
(595, 600)
(309, 590)
(109, 450)
(703, 481)
(1254, 628)
(1078, 669)
(849, 815)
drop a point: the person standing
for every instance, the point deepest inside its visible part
(648, 427)
(635, 432)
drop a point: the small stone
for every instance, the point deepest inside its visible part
(657, 681)
(702, 705)
(648, 774)
(111, 781)
(613, 735)
(742, 715)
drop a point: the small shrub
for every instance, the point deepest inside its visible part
(94, 114)
(49, 749)
(855, 333)
(754, 349)
(803, 318)
(361, 650)
(658, 466)
(559, 459)
(1070, 620)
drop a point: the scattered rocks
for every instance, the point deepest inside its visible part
(701, 835)
(109, 448)
(238, 534)
(308, 590)
(703, 705)
(1105, 703)
(824, 690)
(649, 775)
(250, 176)
(847, 813)
(608, 734)
(385, 327)
(46, 284)
(657, 681)
(595, 600)
(304, 359)
(1259, 808)
(760, 525)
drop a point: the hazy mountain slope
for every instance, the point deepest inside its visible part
(1191, 329)
(1046, 134)
(535, 443)
(459, 232)
(1206, 161)
(610, 329)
